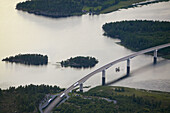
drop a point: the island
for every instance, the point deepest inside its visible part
(28, 59)
(66, 8)
(80, 62)
(140, 34)
(115, 99)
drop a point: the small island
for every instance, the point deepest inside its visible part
(80, 62)
(66, 8)
(28, 59)
(138, 35)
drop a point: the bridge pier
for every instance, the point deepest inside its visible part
(81, 87)
(155, 57)
(128, 67)
(103, 77)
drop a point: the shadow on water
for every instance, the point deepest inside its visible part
(149, 66)
(117, 80)
(139, 70)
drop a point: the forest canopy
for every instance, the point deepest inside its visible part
(113, 99)
(65, 8)
(138, 35)
(25, 99)
(80, 62)
(28, 59)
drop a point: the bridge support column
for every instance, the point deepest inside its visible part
(103, 77)
(128, 67)
(155, 57)
(81, 87)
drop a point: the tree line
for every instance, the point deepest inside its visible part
(64, 8)
(80, 62)
(128, 101)
(28, 59)
(138, 35)
(25, 99)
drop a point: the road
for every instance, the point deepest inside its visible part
(81, 81)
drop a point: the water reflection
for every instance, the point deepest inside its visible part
(139, 70)
(63, 38)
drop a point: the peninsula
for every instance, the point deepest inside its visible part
(28, 59)
(80, 62)
(138, 35)
(65, 8)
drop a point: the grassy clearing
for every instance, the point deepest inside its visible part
(109, 99)
(121, 4)
(147, 94)
(94, 8)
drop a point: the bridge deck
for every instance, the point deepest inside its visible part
(81, 81)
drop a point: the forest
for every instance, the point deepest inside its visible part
(25, 99)
(125, 100)
(28, 59)
(80, 62)
(138, 35)
(65, 8)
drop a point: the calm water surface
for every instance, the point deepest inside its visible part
(63, 38)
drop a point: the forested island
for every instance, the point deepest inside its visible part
(65, 8)
(28, 59)
(25, 99)
(138, 35)
(113, 99)
(80, 62)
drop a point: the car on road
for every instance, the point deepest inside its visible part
(49, 100)
(76, 84)
(62, 95)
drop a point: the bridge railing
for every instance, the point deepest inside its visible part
(126, 58)
(103, 69)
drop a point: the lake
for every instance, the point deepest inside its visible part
(62, 38)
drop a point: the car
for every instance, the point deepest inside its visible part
(50, 100)
(62, 95)
(76, 84)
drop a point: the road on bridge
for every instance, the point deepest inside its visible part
(81, 81)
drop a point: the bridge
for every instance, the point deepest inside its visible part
(103, 70)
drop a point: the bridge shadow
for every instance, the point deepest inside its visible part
(139, 70)
(117, 80)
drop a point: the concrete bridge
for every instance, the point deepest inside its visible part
(103, 71)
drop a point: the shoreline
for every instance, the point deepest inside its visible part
(115, 97)
(141, 38)
(120, 5)
(109, 94)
